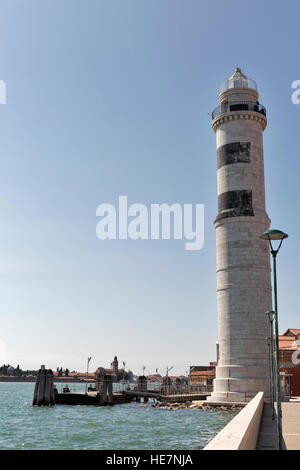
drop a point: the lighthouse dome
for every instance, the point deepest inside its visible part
(238, 80)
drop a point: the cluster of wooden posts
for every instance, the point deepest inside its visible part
(104, 386)
(45, 395)
(44, 388)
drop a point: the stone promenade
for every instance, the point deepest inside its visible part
(267, 439)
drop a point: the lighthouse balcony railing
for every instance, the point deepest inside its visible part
(239, 106)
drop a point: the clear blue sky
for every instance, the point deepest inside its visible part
(106, 98)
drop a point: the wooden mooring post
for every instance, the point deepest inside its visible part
(44, 388)
(142, 384)
(104, 386)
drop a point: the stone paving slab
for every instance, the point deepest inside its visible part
(267, 439)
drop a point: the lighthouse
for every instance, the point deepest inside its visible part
(243, 265)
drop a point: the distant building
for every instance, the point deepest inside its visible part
(11, 370)
(113, 371)
(180, 384)
(105, 371)
(154, 378)
(289, 358)
(200, 368)
(114, 376)
(201, 376)
(166, 384)
(130, 376)
(115, 366)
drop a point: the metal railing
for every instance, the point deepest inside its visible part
(187, 390)
(238, 106)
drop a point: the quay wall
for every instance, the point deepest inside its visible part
(242, 431)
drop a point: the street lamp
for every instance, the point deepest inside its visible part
(270, 340)
(87, 373)
(272, 235)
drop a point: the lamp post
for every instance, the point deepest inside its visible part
(270, 314)
(87, 372)
(272, 235)
(268, 340)
(124, 364)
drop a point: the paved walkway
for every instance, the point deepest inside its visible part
(267, 439)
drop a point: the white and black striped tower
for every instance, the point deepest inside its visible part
(243, 264)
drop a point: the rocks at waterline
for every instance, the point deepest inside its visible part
(194, 406)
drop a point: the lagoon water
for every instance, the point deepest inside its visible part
(130, 426)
